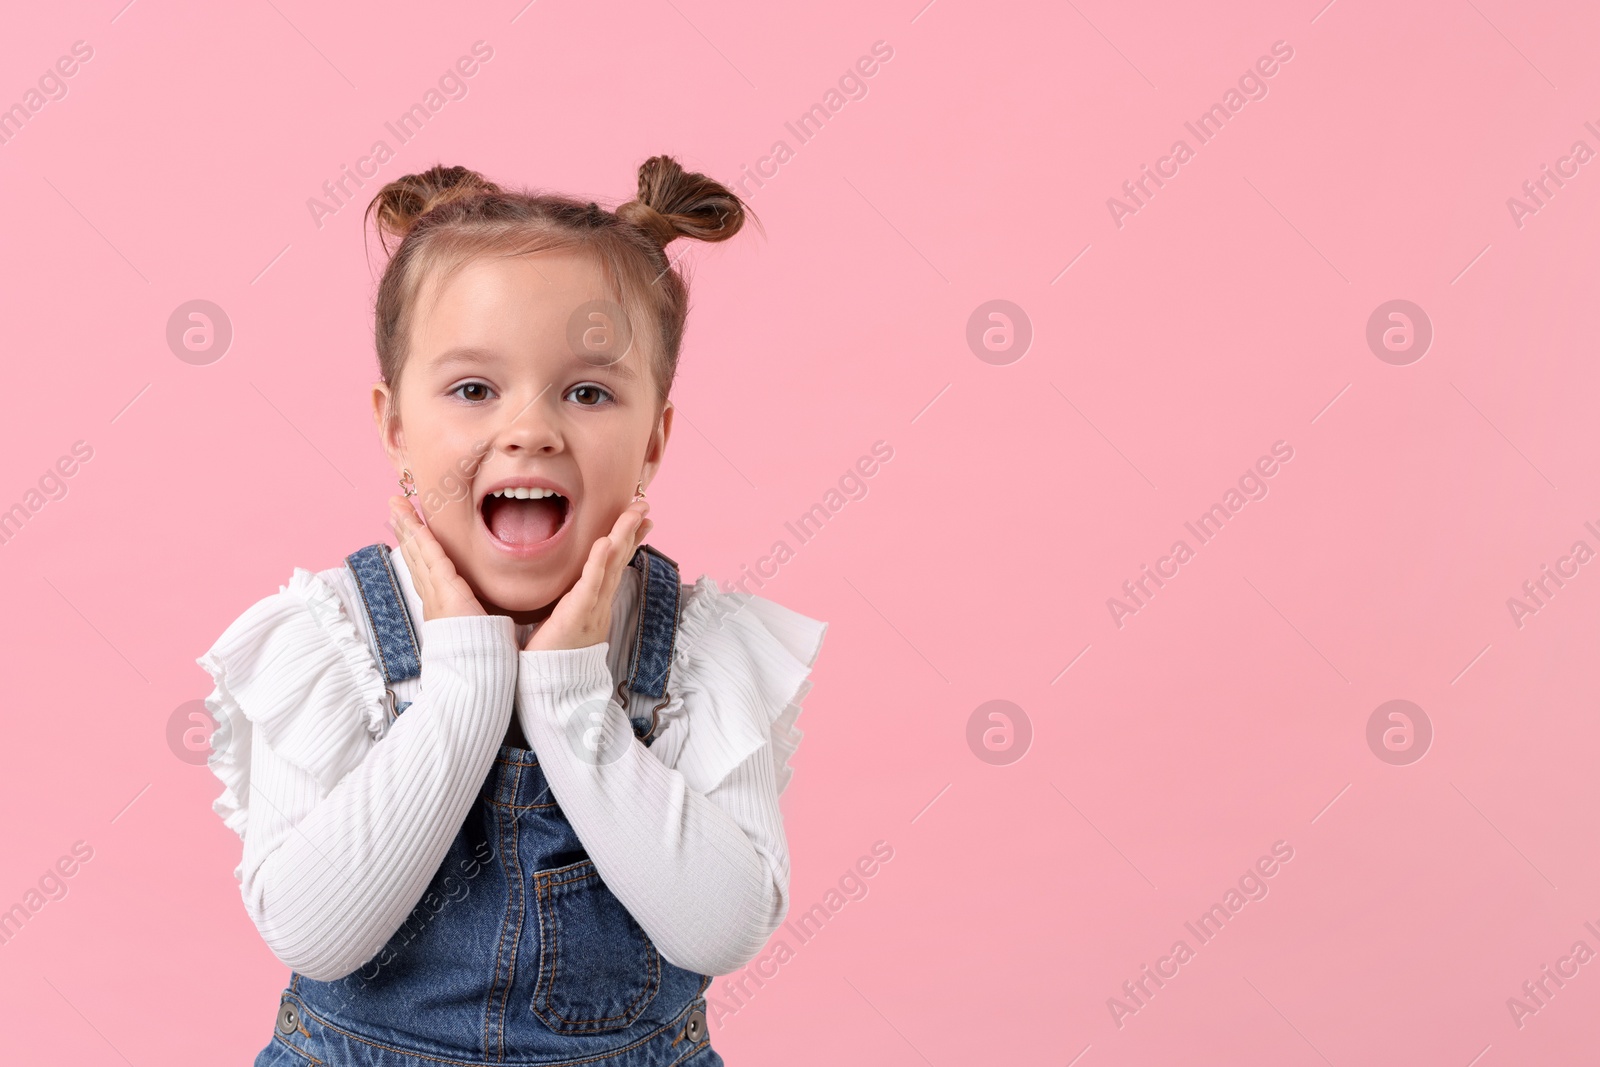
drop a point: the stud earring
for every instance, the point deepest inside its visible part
(407, 484)
(638, 492)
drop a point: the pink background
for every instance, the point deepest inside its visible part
(1227, 314)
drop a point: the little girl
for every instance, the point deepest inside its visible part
(509, 793)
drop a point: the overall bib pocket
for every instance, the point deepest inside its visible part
(598, 969)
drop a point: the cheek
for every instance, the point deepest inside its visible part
(444, 495)
(611, 464)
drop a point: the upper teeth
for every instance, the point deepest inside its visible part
(525, 492)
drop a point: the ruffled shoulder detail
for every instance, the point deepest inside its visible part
(295, 674)
(739, 672)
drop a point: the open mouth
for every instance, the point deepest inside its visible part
(524, 516)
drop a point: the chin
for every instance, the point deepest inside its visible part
(535, 596)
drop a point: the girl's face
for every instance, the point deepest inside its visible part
(513, 381)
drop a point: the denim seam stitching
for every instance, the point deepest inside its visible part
(372, 621)
(638, 628)
(608, 1054)
(296, 1049)
(672, 648)
(400, 602)
(516, 898)
(652, 985)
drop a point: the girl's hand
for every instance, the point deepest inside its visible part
(583, 616)
(444, 592)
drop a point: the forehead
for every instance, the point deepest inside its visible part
(500, 290)
(541, 305)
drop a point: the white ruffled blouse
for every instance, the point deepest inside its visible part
(346, 811)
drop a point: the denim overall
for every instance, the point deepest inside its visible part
(517, 953)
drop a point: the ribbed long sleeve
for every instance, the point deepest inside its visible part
(337, 874)
(346, 816)
(705, 874)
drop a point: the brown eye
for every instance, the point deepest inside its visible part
(474, 391)
(589, 395)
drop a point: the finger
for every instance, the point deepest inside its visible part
(591, 583)
(401, 520)
(431, 552)
(404, 521)
(624, 541)
(621, 540)
(625, 531)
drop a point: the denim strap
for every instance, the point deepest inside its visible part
(387, 616)
(655, 633)
(654, 638)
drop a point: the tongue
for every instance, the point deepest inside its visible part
(523, 522)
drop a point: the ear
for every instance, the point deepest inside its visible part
(386, 415)
(657, 446)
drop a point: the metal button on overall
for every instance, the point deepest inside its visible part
(288, 1018)
(696, 1028)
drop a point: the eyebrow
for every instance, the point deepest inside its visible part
(462, 354)
(471, 354)
(621, 369)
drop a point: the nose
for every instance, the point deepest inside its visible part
(530, 426)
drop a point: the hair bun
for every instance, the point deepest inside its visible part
(661, 229)
(402, 203)
(675, 203)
